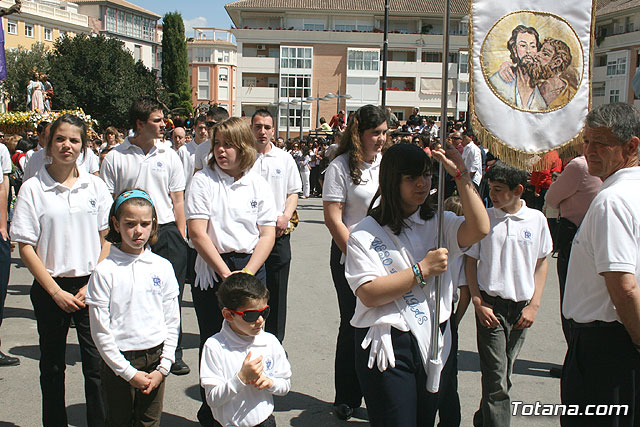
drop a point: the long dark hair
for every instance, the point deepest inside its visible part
(367, 117)
(398, 161)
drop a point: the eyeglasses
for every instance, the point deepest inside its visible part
(251, 316)
(456, 137)
(211, 123)
(1, 135)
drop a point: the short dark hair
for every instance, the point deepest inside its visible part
(262, 113)
(507, 175)
(399, 160)
(521, 29)
(113, 236)
(70, 119)
(200, 119)
(42, 126)
(217, 114)
(238, 289)
(141, 109)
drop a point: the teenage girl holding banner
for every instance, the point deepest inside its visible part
(391, 264)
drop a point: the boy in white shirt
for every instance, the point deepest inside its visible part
(506, 273)
(242, 366)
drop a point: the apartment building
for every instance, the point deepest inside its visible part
(290, 50)
(213, 59)
(42, 21)
(616, 52)
(130, 23)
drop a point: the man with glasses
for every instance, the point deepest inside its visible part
(214, 115)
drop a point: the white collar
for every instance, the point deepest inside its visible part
(228, 179)
(50, 184)
(157, 147)
(621, 174)
(236, 341)
(521, 214)
(415, 217)
(124, 258)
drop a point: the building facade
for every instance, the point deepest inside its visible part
(42, 22)
(617, 52)
(290, 50)
(213, 70)
(136, 27)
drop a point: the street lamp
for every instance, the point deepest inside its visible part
(317, 99)
(288, 104)
(338, 97)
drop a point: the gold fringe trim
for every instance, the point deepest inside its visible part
(513, 156)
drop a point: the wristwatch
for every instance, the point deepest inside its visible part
(162, 370)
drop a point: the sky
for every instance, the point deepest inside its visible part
(195, 13)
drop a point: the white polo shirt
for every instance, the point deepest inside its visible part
(507, 256)
(234, 210)
(63, 223)
(87, 160)
(420, 236)
(133, 305)
(159, 173)
(279, 169)
(472, 157)
(203, 153)
(187, 154)
(5, 160)
(338, 187)
(608, 240)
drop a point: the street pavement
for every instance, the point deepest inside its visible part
(312, 325)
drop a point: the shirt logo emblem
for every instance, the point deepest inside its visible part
(92, 202)
(254, 204)
(278, 171)
(159, 164)
(527, 234)
(156, 281)
(268, 363)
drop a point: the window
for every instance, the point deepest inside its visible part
(598, 91)
(463, 66)
(137, 53)
(611, 68)
(294, 117)
(345, 27)
(432, 57)
(295, 85)
(12, 27)
(296, 57)
(111, 20)
(137, 27)
(616, 66)
(202, 54)
(28, 30)
(203, 82)
(129, 24)
(120, 24)
(314, 27)
(366, 60)
(622, 66)
(453, 57)
(48, 34)
(614, 96)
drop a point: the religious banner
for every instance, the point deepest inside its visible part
(530, 85)
(3, 61)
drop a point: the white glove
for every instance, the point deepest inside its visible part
(379, 337)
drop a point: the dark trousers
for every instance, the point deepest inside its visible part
(5, 268)
(565, 232)
(53, 325)
(172, 247)
(126, 405)
(346, 380)
(448, 398)
(498, 349)
(314, 179)
(277, 268)
(601, 368)
(398, 396)
(209, 316)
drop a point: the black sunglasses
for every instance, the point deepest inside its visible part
(251, 316)
(211, 124)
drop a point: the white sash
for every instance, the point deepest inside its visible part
(416, 308)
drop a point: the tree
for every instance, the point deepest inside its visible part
(175, 65)
(97, 74)
(20, 65)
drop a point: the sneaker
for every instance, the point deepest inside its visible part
(8, 360)
(342, 411)
(180, 368)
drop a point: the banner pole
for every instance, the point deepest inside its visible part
(435, 330)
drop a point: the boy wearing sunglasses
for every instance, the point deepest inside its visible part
(242, 366)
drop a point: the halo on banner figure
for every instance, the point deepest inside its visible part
(533, 61)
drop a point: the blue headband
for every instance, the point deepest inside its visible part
(133, 194)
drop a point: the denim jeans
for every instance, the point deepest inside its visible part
(498, 349)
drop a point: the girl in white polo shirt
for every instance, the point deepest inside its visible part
(350, 182)
(231, 218)
(60, 219)
(390, 266)
(135, 319)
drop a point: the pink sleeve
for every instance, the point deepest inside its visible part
(565, 186)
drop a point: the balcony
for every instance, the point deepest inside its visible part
(50, 12)
(265, 65)
(617, 41)
(401, 98)
(418, 69)
(259, 95)
(599, 74)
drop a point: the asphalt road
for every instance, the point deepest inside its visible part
(312, 325)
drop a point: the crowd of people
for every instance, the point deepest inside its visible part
(113, 228)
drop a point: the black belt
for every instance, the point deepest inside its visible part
(501, 301)
(595, 324)
(138, 353)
